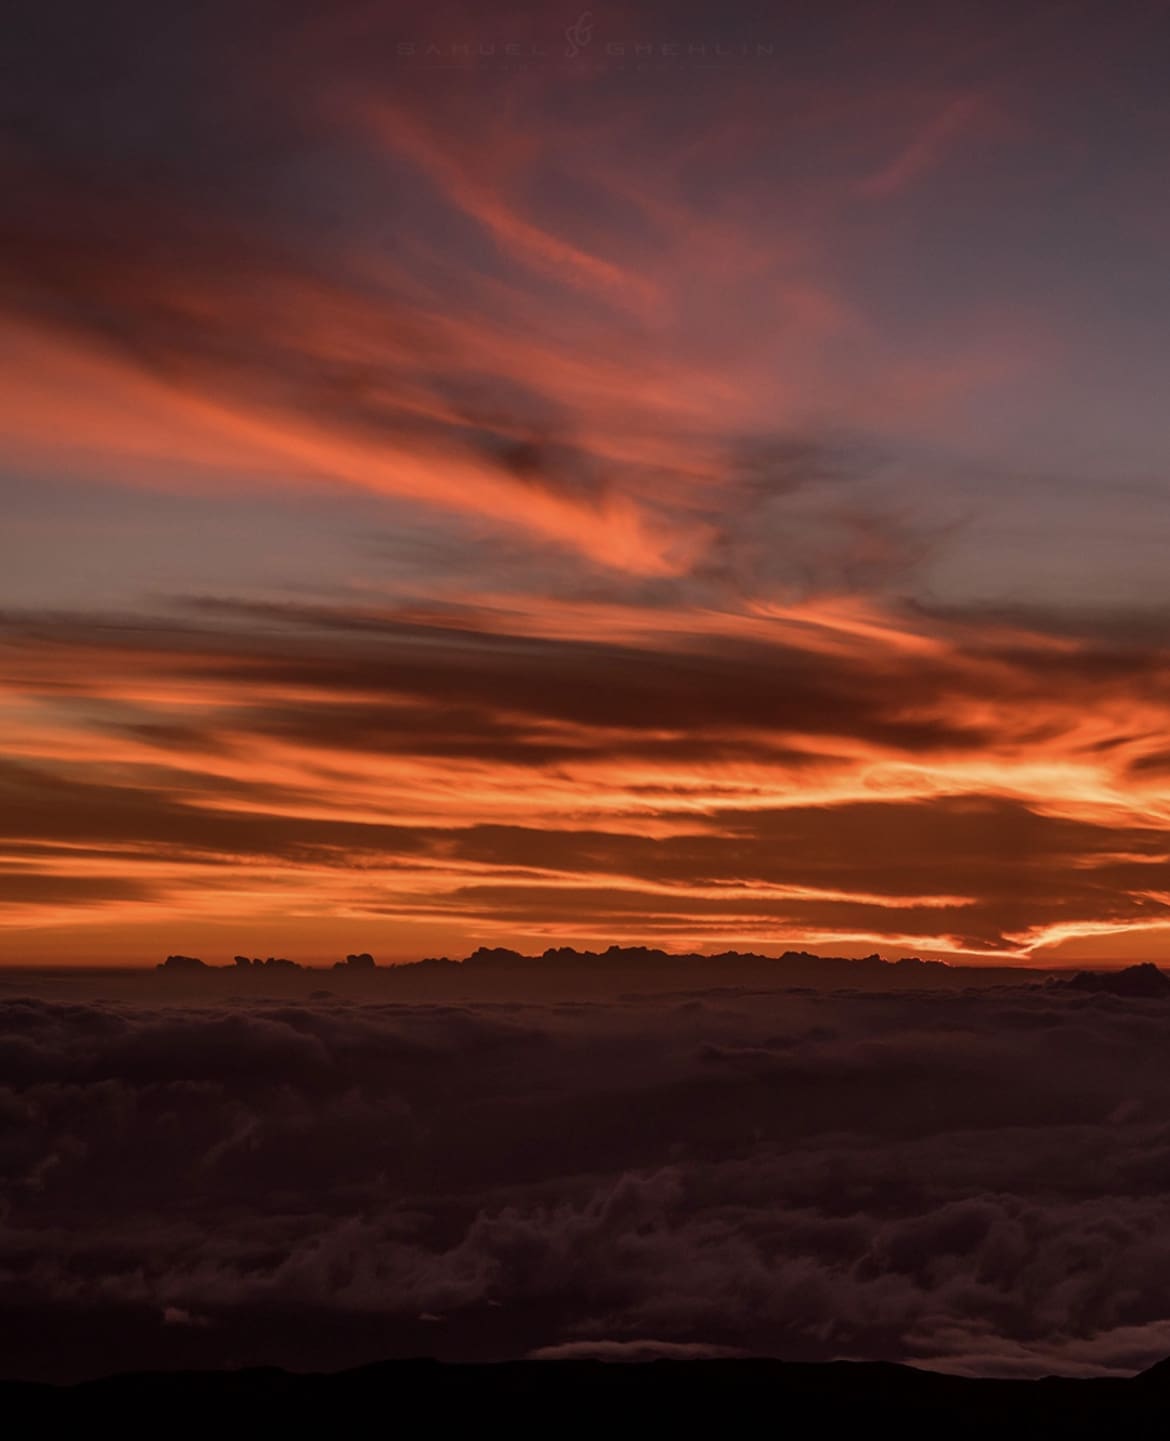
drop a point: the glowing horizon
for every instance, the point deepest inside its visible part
(584, 503)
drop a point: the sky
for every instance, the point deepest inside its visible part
(666, 474)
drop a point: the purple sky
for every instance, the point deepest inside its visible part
(682, 474)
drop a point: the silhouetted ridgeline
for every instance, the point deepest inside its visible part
(620, 968)
(1139, 982)
(639, 969)
(555, 1397)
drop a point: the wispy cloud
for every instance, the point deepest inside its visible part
(828, 773)
(584, 487)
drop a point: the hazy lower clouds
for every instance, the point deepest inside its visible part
(973, 1180)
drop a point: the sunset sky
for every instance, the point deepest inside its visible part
(682, 475)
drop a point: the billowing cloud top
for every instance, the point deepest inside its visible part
(667, 475)
(974, 1181)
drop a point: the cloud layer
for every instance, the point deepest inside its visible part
(968, 1180)
(460, 492)
(823, 773)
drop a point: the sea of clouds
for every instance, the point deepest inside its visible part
(976, 1181)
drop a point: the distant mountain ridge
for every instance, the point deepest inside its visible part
(1139, 982)
(613, 958)
(490, 970)
(643, 968)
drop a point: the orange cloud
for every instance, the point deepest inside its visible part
(654, 669)
(810, 775)
(927, 148)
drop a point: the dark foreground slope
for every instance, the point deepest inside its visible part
(581, 1397)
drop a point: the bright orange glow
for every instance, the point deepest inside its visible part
(225, 787)
(539, 521)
